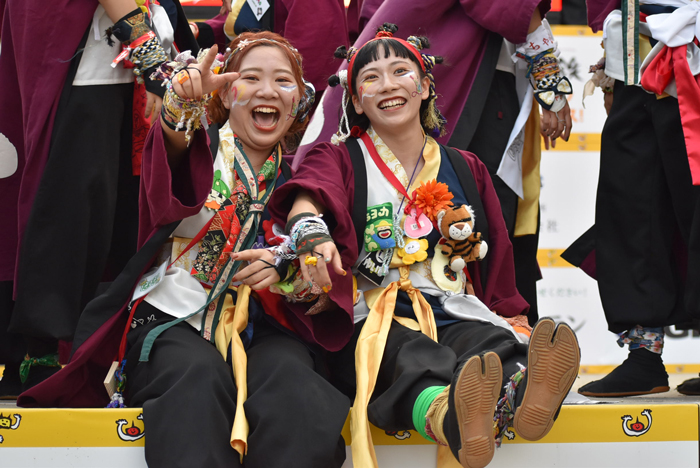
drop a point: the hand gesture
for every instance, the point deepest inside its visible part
(225, 7)
(317, 271)
(199, 79)
(555, 124)
(260, 273)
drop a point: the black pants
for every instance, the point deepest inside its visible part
(488, 144)
(647, 215)
(189, 401)
(413, 362)
(12, 347)
(72, 240)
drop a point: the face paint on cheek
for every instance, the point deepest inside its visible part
(295, 109)
(237, 96)
(364, 90)
(289, 89)
(419, 89)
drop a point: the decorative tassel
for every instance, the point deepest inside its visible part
(505, 408)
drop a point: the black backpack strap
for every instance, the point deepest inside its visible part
(286, 170)
(468, 183)
(359, 203)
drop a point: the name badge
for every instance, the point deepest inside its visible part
(150, 281)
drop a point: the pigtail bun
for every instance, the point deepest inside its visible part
(388, 28)
(424, 42)
(333, 81)
(341, 52)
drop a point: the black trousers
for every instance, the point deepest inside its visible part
(413, 362)
(72, 240)
(488, 144)
(647, 216)
(188, 397)
(12, 347)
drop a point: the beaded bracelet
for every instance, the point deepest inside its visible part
(180, 113)
(141, 47)
(148, 55)
(307, 230)
(549, 84)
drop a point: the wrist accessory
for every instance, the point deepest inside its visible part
(141, 48)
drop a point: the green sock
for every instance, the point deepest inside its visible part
(420, 408)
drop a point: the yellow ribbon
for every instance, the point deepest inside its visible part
(368, 357)
(233, 320)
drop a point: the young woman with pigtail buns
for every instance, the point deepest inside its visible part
(437, 348)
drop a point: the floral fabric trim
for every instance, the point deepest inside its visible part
(641, 337)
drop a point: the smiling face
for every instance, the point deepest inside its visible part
(390, 93)
(264, 101)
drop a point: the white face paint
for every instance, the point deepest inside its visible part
(414, 78)
(289, 89)
(367, 90)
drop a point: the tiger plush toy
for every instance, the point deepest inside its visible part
(460, 243)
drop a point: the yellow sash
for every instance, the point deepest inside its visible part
(233, 320)
(368, 357)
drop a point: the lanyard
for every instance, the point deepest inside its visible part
(245, 240)
(386, 172)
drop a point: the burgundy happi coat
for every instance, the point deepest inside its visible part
(167, 196)
(327, 175)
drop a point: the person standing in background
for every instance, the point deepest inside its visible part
(76, 125)
(647, 222)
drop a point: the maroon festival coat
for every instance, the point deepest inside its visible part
(327, 175)
(167, 196)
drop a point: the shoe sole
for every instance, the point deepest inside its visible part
(553, 362)
(623, 394)
(476, 395)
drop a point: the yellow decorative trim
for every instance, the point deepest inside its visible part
(551, 258)
(579, 142)
(576, 424)
(670, 368)
(572, 30)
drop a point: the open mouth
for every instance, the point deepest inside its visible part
(385, 234)
(391, 104)
(265, 117)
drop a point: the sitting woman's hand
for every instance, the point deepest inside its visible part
(317, 270)
(260, 273)
(199, 79)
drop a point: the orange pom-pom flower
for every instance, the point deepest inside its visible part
(431, 197)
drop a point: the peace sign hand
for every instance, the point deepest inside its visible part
(199, 79)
